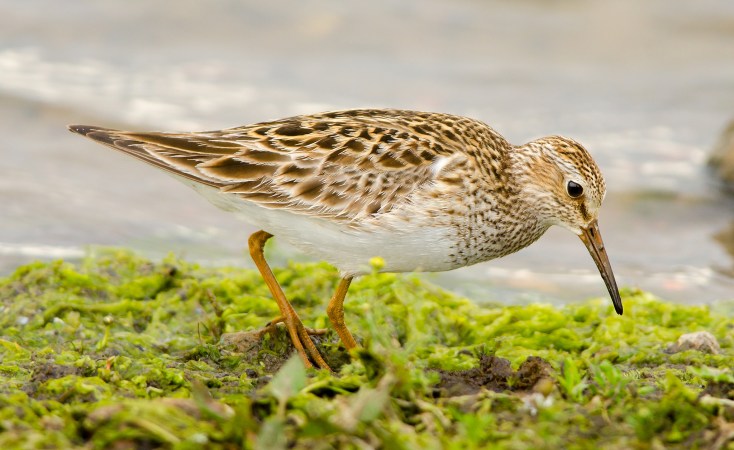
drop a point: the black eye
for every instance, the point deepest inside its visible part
(574, 189)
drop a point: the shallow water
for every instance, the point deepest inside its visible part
(645, 86)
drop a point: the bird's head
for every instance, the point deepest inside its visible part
(567, 188)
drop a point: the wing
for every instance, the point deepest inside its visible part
(341, 165)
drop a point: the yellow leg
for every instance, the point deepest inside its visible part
(335, 311)
(298, 333)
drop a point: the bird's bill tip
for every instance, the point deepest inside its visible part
(591, 237)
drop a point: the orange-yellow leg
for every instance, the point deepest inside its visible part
(335, 311)
(298, 333)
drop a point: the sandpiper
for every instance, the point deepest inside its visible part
(423, 191)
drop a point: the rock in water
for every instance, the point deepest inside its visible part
(722, 157)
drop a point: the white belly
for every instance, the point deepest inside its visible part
(403, 248)
(350, 250)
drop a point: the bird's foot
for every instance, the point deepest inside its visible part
(301, 338)
(245, 341)
(270, 327)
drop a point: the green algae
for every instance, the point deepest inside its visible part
(120, 351)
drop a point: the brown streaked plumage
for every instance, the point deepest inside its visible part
(425, 191)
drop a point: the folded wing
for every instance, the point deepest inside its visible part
(341, 166)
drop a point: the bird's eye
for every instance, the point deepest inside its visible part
(574, 189)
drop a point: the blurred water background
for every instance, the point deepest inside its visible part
(645, 86)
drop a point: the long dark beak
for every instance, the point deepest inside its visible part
(592, 239)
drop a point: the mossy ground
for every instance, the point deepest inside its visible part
(121, 352)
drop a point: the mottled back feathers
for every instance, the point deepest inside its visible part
(342, 165)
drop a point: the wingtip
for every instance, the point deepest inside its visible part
(99, 134)
(82, 129)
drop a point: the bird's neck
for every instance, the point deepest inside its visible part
(532, 175)
(502, 220)
(526, 219)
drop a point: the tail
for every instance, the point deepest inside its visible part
(170, 153)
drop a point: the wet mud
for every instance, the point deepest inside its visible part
(495, 374)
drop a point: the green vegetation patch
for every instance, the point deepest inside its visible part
(122, 352)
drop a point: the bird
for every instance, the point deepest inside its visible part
(423, 191)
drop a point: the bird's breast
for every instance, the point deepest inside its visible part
(493, 229)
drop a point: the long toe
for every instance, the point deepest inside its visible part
(311, 348)
(270, 327)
